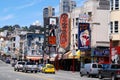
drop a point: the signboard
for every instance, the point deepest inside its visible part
(115, 52)
(52, 40)
(52, 21)
(83, 36)
(64, 26)
(52, 31)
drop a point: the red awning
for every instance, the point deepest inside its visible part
(34, 57)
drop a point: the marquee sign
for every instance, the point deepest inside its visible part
(64, 26)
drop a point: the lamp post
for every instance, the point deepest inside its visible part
(110, 55)
(73, 61)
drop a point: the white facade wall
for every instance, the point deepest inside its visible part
(115, 16)
(74, 28)
(99, 23)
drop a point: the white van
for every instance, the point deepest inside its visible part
(90, 69)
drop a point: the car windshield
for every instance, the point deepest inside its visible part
(50, 66)
(115, 66)
(40, 65)
(94, 66)
(21, 63)
(31, 63)
(99, 66)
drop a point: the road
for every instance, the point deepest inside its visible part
(7, 73)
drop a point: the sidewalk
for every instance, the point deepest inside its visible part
(69, 72)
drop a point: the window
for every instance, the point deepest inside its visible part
(111, 27)
(94, 66)
(76, 36)
(77, 19)
(14, 39)
(116, 4)
(116, 26)
(90, 14)
(73, 22)
(13, 44)
(111, 4)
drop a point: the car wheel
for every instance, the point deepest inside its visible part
(35, 71)
(31, 71)
(14, 69)
(88, 75)
(18, 70)
(81, 74)
(113, 77)
(25, 71)
(100, 76)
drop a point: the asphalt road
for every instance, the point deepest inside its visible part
(7, 73)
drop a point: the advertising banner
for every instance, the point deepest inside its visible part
(52, 31)
(52, 40)
(64, 26)
(83, 36)
(115, 53)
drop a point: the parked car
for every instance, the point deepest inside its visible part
(90, 69)
(13, 62)
(19, 65)
(30, 66)
(40, 66)
(112, 71)
(7, 61)
(48, 68)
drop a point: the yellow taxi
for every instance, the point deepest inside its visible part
(48, 68)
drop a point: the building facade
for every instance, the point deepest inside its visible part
(48, 12)
(115, 30)
(93, 11)
(67, 6)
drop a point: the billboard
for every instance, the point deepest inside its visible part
(64, 26)
(115, 54)
(52, 21)
(84, 36)
(52, 31)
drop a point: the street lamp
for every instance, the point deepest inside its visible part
(74, 54)
(110, 55)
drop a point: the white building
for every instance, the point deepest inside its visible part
(98, 11)
(115, 31)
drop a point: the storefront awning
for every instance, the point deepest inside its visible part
(76, 56)
(56, 57)
(34, 57)
(65, 56)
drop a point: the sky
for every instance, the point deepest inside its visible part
(26, 12)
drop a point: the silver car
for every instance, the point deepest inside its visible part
(90, 69)
(19, 65)
(30, 66)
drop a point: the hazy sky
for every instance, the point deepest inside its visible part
(25, 12)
